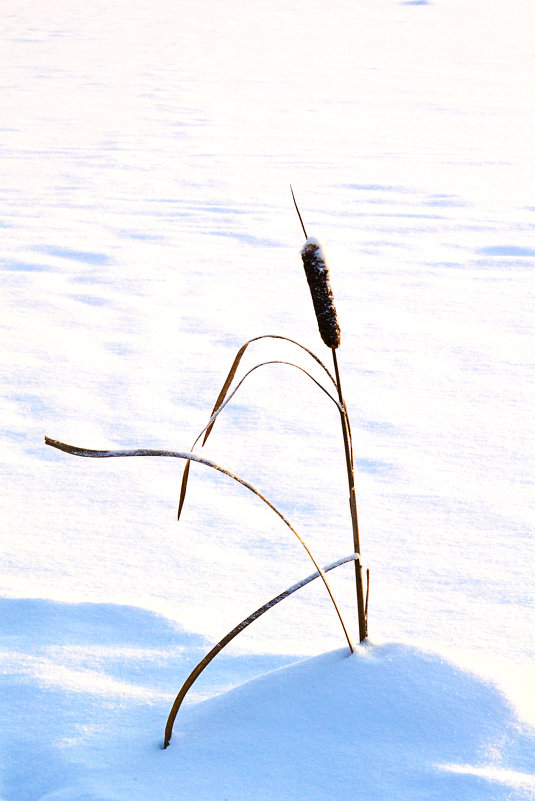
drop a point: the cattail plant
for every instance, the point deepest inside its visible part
(317, 274)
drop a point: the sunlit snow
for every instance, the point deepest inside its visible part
(147, 232)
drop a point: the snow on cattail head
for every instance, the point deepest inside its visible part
(317, 273)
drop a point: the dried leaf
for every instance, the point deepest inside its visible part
(189, 456)
(183, 487)
(225, 388)
(196, 672)
(223, 394)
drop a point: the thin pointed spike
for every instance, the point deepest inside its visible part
(298, 213)
(183, 488)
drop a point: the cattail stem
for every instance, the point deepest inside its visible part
(317, 273)
(361, 604)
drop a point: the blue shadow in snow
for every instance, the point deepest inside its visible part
(376, 467)
(90, 300)
(377, 188)
(248, 239)
(86, 257)
(445, 201)
(30, 403)
(514, 251)
(404, 713)
(143, 237)
(144, 648)
(119, 349)
(45, 623)
(23, 267)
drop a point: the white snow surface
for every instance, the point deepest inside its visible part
(147, 232)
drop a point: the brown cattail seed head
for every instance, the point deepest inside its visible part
(317, 273)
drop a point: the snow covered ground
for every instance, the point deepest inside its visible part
(147, 231)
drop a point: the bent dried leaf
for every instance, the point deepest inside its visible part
(194, 457)
(198, 669)
(223, 394)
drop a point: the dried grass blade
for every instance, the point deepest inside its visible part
(348, 424)
(299, 345)
(188, 455)
(196, 672)
(225, 388)
(183, 488)
(263, 364)
(223, 393)
(220, 398)
(228, 381)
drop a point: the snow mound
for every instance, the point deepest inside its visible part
(85, 707)
(390, 722)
